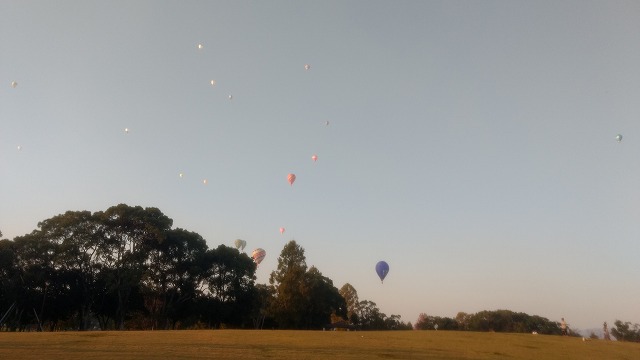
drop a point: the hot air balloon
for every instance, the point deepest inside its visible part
(126, 130)
(281, 230)
(291, 178)
(14, 84)
(200, 46)
(213, 83)
(618, 137)
(257, 255)
(240, 244)
(314, 157)
(307, 66)
(382, 268)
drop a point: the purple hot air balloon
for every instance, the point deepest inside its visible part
(382, 268)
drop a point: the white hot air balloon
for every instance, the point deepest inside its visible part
(307, 67)
(200, 46)
(213, 83)
(619, 137)
(240, 244)
(14, 84)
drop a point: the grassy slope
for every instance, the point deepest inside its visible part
(268, 344)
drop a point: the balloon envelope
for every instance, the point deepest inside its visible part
(240, 244)
(618, 137)
(382, 268)
(291, 178)
(314, 158)
(281, 230)
(258, 254)
(14, 84)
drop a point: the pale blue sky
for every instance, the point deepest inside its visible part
(471, 144)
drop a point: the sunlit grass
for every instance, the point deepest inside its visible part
(270, 344)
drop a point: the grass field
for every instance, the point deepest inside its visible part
(270, 344)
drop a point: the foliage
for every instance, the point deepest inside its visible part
(126, 268)
(494, 321)
(625, 331)
(304, 298)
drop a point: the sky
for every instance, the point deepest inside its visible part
(470, 144)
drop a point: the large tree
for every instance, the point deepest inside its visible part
(288, 307)
(130, 232)
(77, 238)
(228, 282)
(350, 296)
(172, 275)
(625, 331)
(303, 299)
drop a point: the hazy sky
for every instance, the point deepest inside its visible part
(471, 144)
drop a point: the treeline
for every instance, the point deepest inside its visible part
(498, 321)
(126, 268)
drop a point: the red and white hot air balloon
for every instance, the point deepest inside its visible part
(314, 157)
(258, 255)
(281, 230)
(291, 178)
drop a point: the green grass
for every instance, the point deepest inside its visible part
(270, 344)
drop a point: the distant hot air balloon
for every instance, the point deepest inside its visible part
(326, 123)
(291, 178)
(200, 46)
(240, 244)
(213, 83)
(618, 137)
(281, 230)
(307, 66)
(257, 255)
(14, 84)
(382, 268)
(314, 157)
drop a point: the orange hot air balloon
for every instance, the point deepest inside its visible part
(314, 157)
(281, 230)
(291, 178)
(258, 255)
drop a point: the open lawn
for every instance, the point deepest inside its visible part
(276, 344)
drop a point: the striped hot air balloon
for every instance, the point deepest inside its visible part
(258, 255)
(291, 178)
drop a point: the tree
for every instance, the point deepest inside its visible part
(288, 307)
(77, 238)
(322, 298)
(625, 331)
(370, 316)
(130, 233)
(350, 296)
(172, 276)
(229, 286)
(302, 299)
